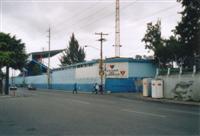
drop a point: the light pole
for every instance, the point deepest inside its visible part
(92, 47)
(101, 71)
(48, 70)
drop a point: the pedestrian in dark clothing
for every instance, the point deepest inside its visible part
(75, 88)
(96, 88)
(101, 89)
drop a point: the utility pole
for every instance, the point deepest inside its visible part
(7, 81)
(48, 71)
(101, 71)
(117, 30)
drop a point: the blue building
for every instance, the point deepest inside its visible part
(121, 75)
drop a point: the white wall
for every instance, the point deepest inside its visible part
(182, 87)
(17, 80)
(63, 76)
(87, 72)
(41, 79)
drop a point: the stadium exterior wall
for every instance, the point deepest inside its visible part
(121, 75)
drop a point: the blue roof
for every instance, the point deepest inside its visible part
(77, 64)
(108, 60)
(29, 67)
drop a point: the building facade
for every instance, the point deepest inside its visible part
(121, 75)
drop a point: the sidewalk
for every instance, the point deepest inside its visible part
(138, 96)
(17, 93)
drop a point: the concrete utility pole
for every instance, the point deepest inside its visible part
(117, 30)
(48, 71)
(101, 71)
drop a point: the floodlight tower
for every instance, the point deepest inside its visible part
(117, 29)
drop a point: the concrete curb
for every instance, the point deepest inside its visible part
(140, 97)
(5, 96)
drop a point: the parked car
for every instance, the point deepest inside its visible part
(13, 87)
(30, 87)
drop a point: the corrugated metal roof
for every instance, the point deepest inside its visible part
(108, 60)
(44, 54)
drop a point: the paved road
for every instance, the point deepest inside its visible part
(60, 113)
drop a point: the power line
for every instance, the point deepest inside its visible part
(148, 16)
(89, 17)
(78, 14)
(105, 16)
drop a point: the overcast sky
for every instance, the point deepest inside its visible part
(29, 20)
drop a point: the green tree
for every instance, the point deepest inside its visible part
(73, 54)
(174, 50)
(36, 70)
(12, 54)
(188, 29)
(154, 42)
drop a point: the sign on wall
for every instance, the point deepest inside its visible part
(117, 70)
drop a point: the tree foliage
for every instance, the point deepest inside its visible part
(73, 54)
(166, 51)
(12, 52)
(184, 44)
(188, 29)
(36, 70)
(152, 38)
(154, 42)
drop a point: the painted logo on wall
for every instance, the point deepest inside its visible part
(183, 90)
(117, 70)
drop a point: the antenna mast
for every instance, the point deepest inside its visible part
(117, 30)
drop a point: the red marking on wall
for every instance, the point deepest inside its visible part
(122, 73)
(112, 66)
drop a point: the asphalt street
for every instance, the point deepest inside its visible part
(59, 113)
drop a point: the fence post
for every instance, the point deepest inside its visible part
(168, 71)
(194, 69)
(157, 72)
(181, 70)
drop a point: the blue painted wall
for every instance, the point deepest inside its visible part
(123, 85)
(67, 87)
(64, 79)
(142, 69)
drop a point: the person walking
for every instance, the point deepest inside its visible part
(101, 89)
(96, 88)
(75, 88)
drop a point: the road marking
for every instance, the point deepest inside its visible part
(180, 111)
(79, 101)
(124, 99)
(145, 113)
(132, 101)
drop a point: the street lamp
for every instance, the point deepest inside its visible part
(101, 71)
(92, 47)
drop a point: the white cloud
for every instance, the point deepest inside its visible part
(30, 21)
